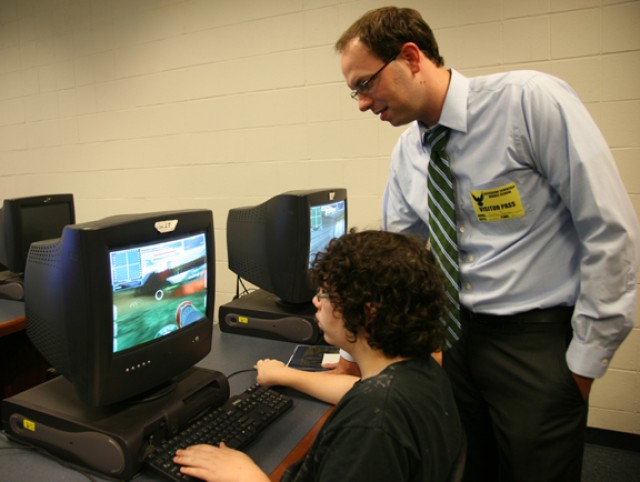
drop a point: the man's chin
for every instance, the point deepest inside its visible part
(387, 116)
(397, 122)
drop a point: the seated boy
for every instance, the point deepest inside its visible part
(380, 299)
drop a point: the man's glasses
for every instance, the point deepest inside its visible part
(363, 86)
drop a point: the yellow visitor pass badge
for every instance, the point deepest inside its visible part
(497, 204)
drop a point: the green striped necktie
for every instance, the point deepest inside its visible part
(442, 224)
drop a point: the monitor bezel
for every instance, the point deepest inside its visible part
(134, 360)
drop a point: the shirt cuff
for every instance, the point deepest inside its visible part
(588, 361)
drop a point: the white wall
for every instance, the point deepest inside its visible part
(145, 105)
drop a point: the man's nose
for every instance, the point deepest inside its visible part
(364, 102)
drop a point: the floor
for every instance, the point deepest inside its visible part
(610, 464)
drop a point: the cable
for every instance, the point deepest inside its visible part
(245, 290)
(241, 371)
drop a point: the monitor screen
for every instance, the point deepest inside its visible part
(29, 219)
(146, 282)
(272, 244)
(327, 221)
(123, 305)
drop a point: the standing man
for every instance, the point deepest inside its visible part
(543, 278)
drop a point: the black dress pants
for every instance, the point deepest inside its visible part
(523, 412)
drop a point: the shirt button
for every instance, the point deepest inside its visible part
(467, 286)
(461, 229)
(471, 258)
(605, 362)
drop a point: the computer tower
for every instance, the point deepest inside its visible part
(112, 440)
(261, 314)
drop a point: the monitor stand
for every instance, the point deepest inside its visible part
(261, 314)
(115, 440)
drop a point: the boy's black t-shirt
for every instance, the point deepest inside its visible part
(401, 425)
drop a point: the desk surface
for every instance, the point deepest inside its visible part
(230, 354)
(11, 316)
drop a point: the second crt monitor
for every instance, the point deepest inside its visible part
(272, 245)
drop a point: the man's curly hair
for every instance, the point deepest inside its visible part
(387, 284)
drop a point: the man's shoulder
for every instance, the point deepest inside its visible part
(513, 78)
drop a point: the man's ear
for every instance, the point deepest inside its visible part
(411, 54)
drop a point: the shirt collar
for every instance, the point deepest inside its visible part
(454, 110)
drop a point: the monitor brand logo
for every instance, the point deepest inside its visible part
(332, 196)
(166, 226)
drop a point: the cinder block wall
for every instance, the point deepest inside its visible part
(166, 104)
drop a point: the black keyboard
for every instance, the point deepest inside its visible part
(236, 423)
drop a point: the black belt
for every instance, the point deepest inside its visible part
(556, 314)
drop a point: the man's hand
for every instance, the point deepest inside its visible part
(584, 384)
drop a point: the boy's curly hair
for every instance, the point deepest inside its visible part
(388, 285)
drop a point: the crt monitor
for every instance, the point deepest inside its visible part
(123, 305)
(28, 219)
(273, 244)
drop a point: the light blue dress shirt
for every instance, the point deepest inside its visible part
(543, 217)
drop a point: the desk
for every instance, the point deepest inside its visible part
(230, 353)
(21, 365)
(11, 317)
